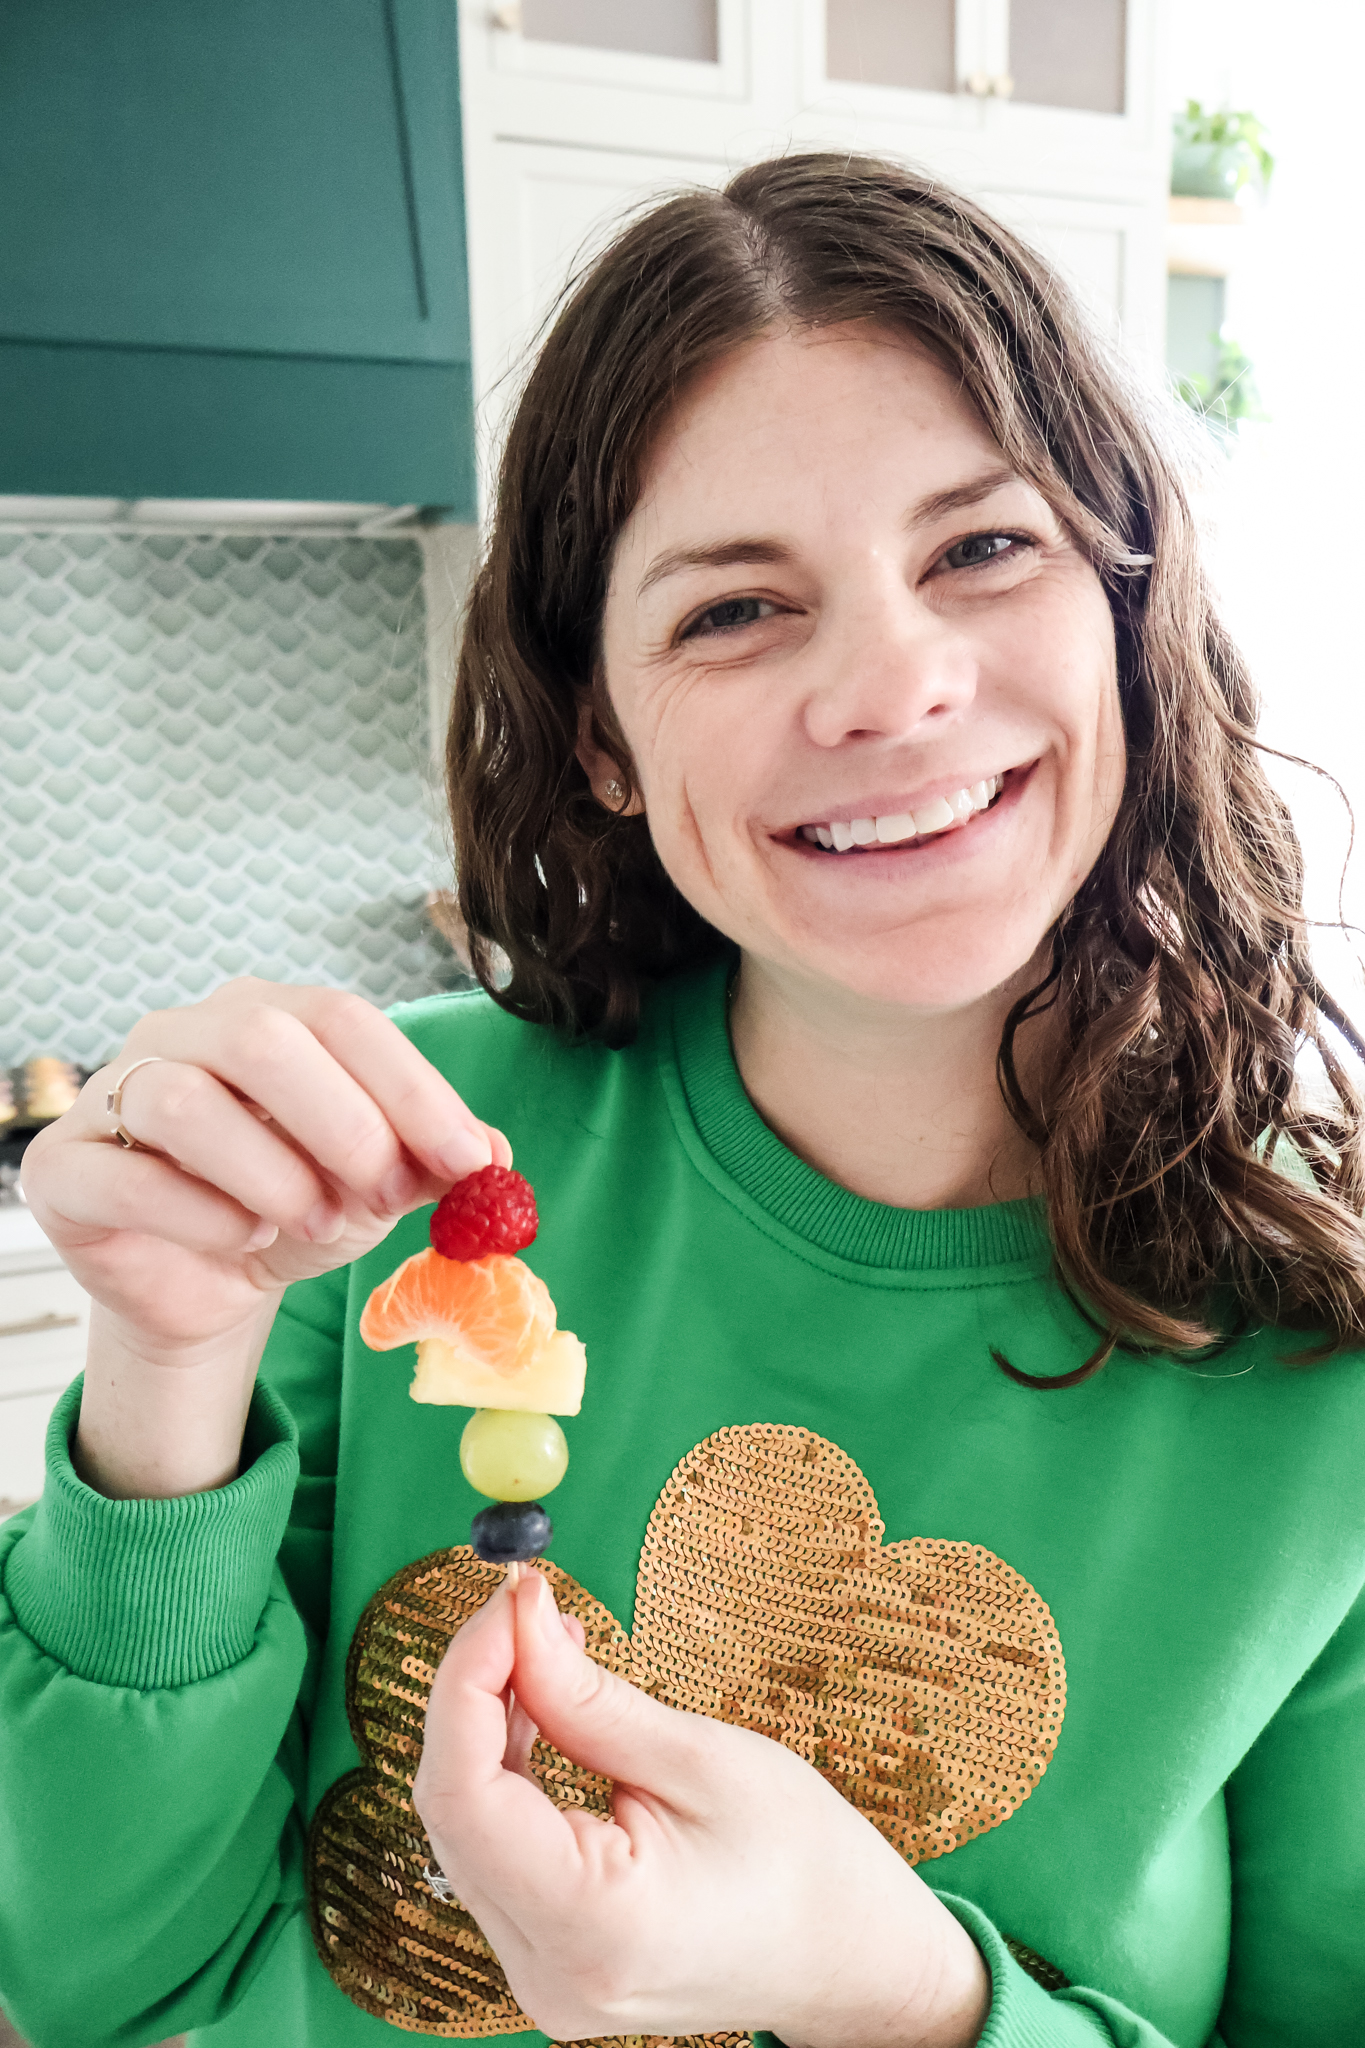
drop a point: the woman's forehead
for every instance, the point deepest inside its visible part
(794, 428)
(788, 375)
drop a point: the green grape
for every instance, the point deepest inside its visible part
(510, 1454)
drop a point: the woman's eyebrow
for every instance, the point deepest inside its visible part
(722, 554)
(938, 503)
(727, 554)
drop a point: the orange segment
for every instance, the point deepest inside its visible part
(485, 1334)
(495, 1308)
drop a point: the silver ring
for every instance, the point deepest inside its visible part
(440, 1884)
(113, 1101)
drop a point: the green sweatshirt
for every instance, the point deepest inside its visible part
(1121, 1626)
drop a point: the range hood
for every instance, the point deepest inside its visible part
(208, 515)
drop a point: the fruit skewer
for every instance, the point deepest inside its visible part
(484, 1327)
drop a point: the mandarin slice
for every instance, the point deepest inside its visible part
(485, 1334)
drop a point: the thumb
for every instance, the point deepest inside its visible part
(594, 1718)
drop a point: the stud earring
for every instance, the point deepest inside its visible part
(613, 791)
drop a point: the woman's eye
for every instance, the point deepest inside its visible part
(979, 548)
(729, 614)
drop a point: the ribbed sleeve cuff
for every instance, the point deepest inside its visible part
(150, 1594)
(1023, 2015)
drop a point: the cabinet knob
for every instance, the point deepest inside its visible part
(507, 17)
(984, 86)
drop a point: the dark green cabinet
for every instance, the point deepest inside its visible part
(232, 256)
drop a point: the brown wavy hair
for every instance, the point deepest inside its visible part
(1181, 989)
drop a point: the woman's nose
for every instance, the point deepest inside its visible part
(887, 667)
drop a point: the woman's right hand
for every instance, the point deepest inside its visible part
(281, 1133)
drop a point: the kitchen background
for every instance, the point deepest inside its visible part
(214, 760)
(268, 279)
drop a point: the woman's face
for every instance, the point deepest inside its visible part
(835, 620)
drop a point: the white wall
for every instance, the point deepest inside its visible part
(1290, 509)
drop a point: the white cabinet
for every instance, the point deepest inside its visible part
(1052, 112)
(44, 1314)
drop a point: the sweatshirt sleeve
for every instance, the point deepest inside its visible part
(1024, 2014)
(157, 1661)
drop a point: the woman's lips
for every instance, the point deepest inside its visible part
(905, 833)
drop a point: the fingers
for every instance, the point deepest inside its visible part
(423, 1110)
(521, 1729)
(186, 1115)
(521, 1738)
(264, 1051)
(491, 1824)
(90, 1191)
(595, 1718)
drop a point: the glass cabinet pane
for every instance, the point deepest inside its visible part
(1068, 53)
(654, 28)
(892, 42)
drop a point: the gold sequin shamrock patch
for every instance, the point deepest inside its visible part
(924, 1679)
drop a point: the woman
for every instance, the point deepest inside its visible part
(904, 974)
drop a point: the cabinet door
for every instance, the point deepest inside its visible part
(1055, 53)
(666, 28)
(1110, 254)
(1026, 78)
(44, 1314)
(884, 42)
(23, 1440)
(677, 77)
(871, 62)
(242, 177)
(550, 209)
(1069, 53)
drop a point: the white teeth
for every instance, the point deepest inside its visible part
(934, 816)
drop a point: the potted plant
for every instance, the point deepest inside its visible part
(1219, 154)
(1229, 396)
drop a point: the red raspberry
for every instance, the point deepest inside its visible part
(492, 1211)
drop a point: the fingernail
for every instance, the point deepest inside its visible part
(265, 1233)
(399, 1192)
(465, 1154)
(547, 1614)
(324, 1224)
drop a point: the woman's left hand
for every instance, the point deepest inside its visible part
(734, 1889)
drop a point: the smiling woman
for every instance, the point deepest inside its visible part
(857, 516)
(907, 970)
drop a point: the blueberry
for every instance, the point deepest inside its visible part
(511, 1532)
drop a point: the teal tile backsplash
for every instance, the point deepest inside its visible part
(213, 761)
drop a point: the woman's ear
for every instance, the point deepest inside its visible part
(610, 786)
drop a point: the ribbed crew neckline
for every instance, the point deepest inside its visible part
(794, 1195)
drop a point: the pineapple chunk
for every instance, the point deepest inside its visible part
(551, 1383)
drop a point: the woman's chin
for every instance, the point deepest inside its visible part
(891, 977)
